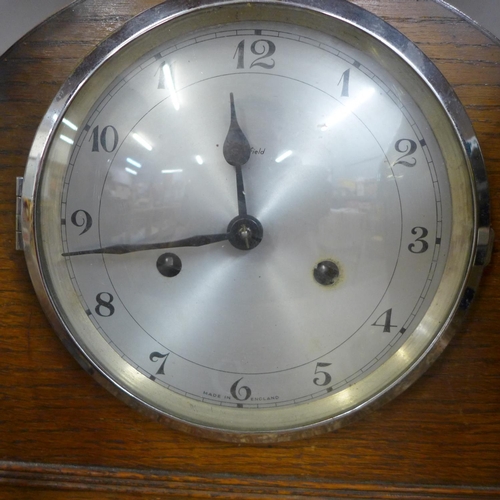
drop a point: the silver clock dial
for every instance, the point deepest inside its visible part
(252, 223)
(336, 160)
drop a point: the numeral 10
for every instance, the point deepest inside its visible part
(107, 139)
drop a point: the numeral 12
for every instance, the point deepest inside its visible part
(263, 48)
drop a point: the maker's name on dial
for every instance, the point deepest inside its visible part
(216, 395)
(257, 151)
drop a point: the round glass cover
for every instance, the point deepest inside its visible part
(247, 224)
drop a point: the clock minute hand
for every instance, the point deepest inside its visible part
(236, 151)
(193, 241)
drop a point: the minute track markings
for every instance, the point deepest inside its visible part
(241, 33)
(299, 81)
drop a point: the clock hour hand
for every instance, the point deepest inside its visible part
(193, 241)
(236, 151)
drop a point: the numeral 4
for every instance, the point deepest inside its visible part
(385, 319)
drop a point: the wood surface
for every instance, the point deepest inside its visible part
(62, 436)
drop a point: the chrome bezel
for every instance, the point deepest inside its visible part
(378, 34)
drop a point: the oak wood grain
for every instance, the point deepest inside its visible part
(63, 436)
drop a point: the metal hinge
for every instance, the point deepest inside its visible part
(19, 204)
(485, 240)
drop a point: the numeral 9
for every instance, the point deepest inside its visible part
(82, 218)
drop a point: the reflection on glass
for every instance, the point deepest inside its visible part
(342, 113)
(130, 171)
(142, 141)
(71, 125)
(134, 163)
(65, 138)
(167, 71)
(284, 156)
(199, 159)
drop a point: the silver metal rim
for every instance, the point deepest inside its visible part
(341, 10)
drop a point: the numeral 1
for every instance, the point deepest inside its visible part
(240, 51)
(344, 79)
(161, 78)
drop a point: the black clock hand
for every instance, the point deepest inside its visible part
(237, 152)
(194, 241)
(245, 232)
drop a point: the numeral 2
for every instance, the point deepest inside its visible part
(408, 147)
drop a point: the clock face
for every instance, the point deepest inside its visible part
(251, 225)
(339, 170)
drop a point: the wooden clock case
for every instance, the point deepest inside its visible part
(62, 436)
